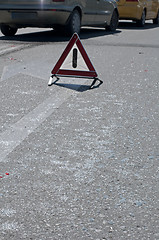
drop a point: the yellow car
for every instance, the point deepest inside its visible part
(139, 10)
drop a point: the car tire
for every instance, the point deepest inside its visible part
(156, 20)
(141, 22)
(113, 22)
(8, 31)
(74, 23)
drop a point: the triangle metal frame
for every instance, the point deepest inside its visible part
(58, 71)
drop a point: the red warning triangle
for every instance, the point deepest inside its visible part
(58, 70)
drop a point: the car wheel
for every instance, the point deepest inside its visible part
(74, 23)
(156, 20)
(113, 22)
(8, 31)
(141, 22)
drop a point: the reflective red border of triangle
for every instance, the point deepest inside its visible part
(77, 73)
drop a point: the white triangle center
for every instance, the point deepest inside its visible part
(68, 62)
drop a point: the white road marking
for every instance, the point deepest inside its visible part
(31, 68)
(5, 70)
(16, 133)
(8, 49)
(12, 137)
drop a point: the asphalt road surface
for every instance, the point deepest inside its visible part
(80, 163)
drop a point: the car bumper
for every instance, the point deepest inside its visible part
(130, 12)
(34, 18)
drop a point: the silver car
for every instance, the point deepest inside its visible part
(69, 15)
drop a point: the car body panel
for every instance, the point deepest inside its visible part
(101, 12)
(132, 10)
(46, 13)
